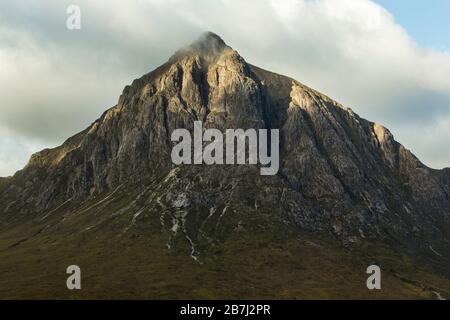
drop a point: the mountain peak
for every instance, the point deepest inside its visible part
(209, 41)
(208, 45)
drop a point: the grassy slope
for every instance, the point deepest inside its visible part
(140, 266)
(119, 262)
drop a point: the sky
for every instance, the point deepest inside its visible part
(387, 59)
(427, 21)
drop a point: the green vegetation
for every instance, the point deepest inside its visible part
(137, 264)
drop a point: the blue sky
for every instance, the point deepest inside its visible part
(427, 21)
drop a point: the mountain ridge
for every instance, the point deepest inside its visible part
(190, 65)
(340, 175)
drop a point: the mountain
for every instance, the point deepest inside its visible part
(110, 200)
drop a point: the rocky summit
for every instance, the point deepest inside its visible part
(109, 199)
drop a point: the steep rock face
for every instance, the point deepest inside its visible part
(338, 172)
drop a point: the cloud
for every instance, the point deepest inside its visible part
(15, 150)
(54, 81)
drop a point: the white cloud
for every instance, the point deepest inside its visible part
(54, 82)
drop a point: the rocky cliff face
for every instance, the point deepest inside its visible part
(338, 173)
